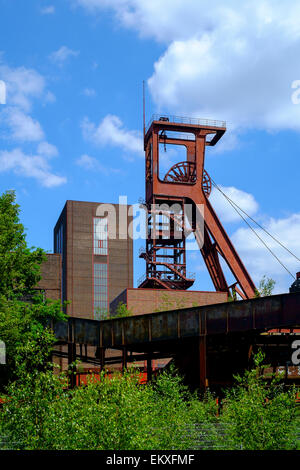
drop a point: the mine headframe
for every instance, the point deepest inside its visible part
(178, 204)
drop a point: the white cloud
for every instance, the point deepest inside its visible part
(175, 18)
(88, 163)
(50, 97)
(110, 131)
(259, 260)
(22, 126)
(47, 150)
(23, 85)
(244, 89)
(29, 166)
(230, 141)
(62, 55)
(2, 92)
(90, 92)
(225, 211)
(180, 20)
(92, 164)
(233, 61)
(49, 10)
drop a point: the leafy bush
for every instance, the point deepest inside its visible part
(265, 287)
(113, 413)
(118, 413)
(24, 313)
(260, 415)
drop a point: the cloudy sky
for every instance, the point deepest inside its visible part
(72, 123)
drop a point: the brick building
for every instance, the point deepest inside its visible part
(92, 266)
(96, 254)
(141, 301)
(92, 269)
(51, 274)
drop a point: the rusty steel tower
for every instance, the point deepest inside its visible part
(186, 184)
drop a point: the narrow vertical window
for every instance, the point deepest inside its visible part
(59, 248)
(100, 291)
(100, 236)
(59, 240)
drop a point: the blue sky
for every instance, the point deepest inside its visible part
(72, 123)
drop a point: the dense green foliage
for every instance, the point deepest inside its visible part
(115, 413)
(260, 415)
(121, 311)
(119, 413)
(24, 313)
(19, 265)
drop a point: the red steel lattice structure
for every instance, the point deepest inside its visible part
(186, 184)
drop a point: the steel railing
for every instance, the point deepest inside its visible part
(185, 120)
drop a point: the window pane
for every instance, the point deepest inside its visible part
(100, 291)
(100, 236)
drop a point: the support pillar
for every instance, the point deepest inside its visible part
(202, 364)
(149, 368)
(124, 359)
(102, 359)
(71, 359)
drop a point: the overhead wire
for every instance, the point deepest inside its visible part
(260, 226)
(237, 209)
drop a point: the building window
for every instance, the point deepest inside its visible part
(59, 240)
(100, 291)
(100, 236)
(59, 248)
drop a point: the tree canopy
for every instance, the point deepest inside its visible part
(24, 313)
(19, 265)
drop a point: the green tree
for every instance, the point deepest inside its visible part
(19, 265)
(258, 414)
(122, 311)
(24, 313)
(265, 287)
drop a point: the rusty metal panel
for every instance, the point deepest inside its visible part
(262, 314)
(86, 332)
(189, 323)
(61, 331)
(79, 331)
(107, 338)
(216, 319)
(240, 316)
(117, 329)
(267, 312)
(92, 330)
(136, 329)
(291, 309)
(164, 326)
